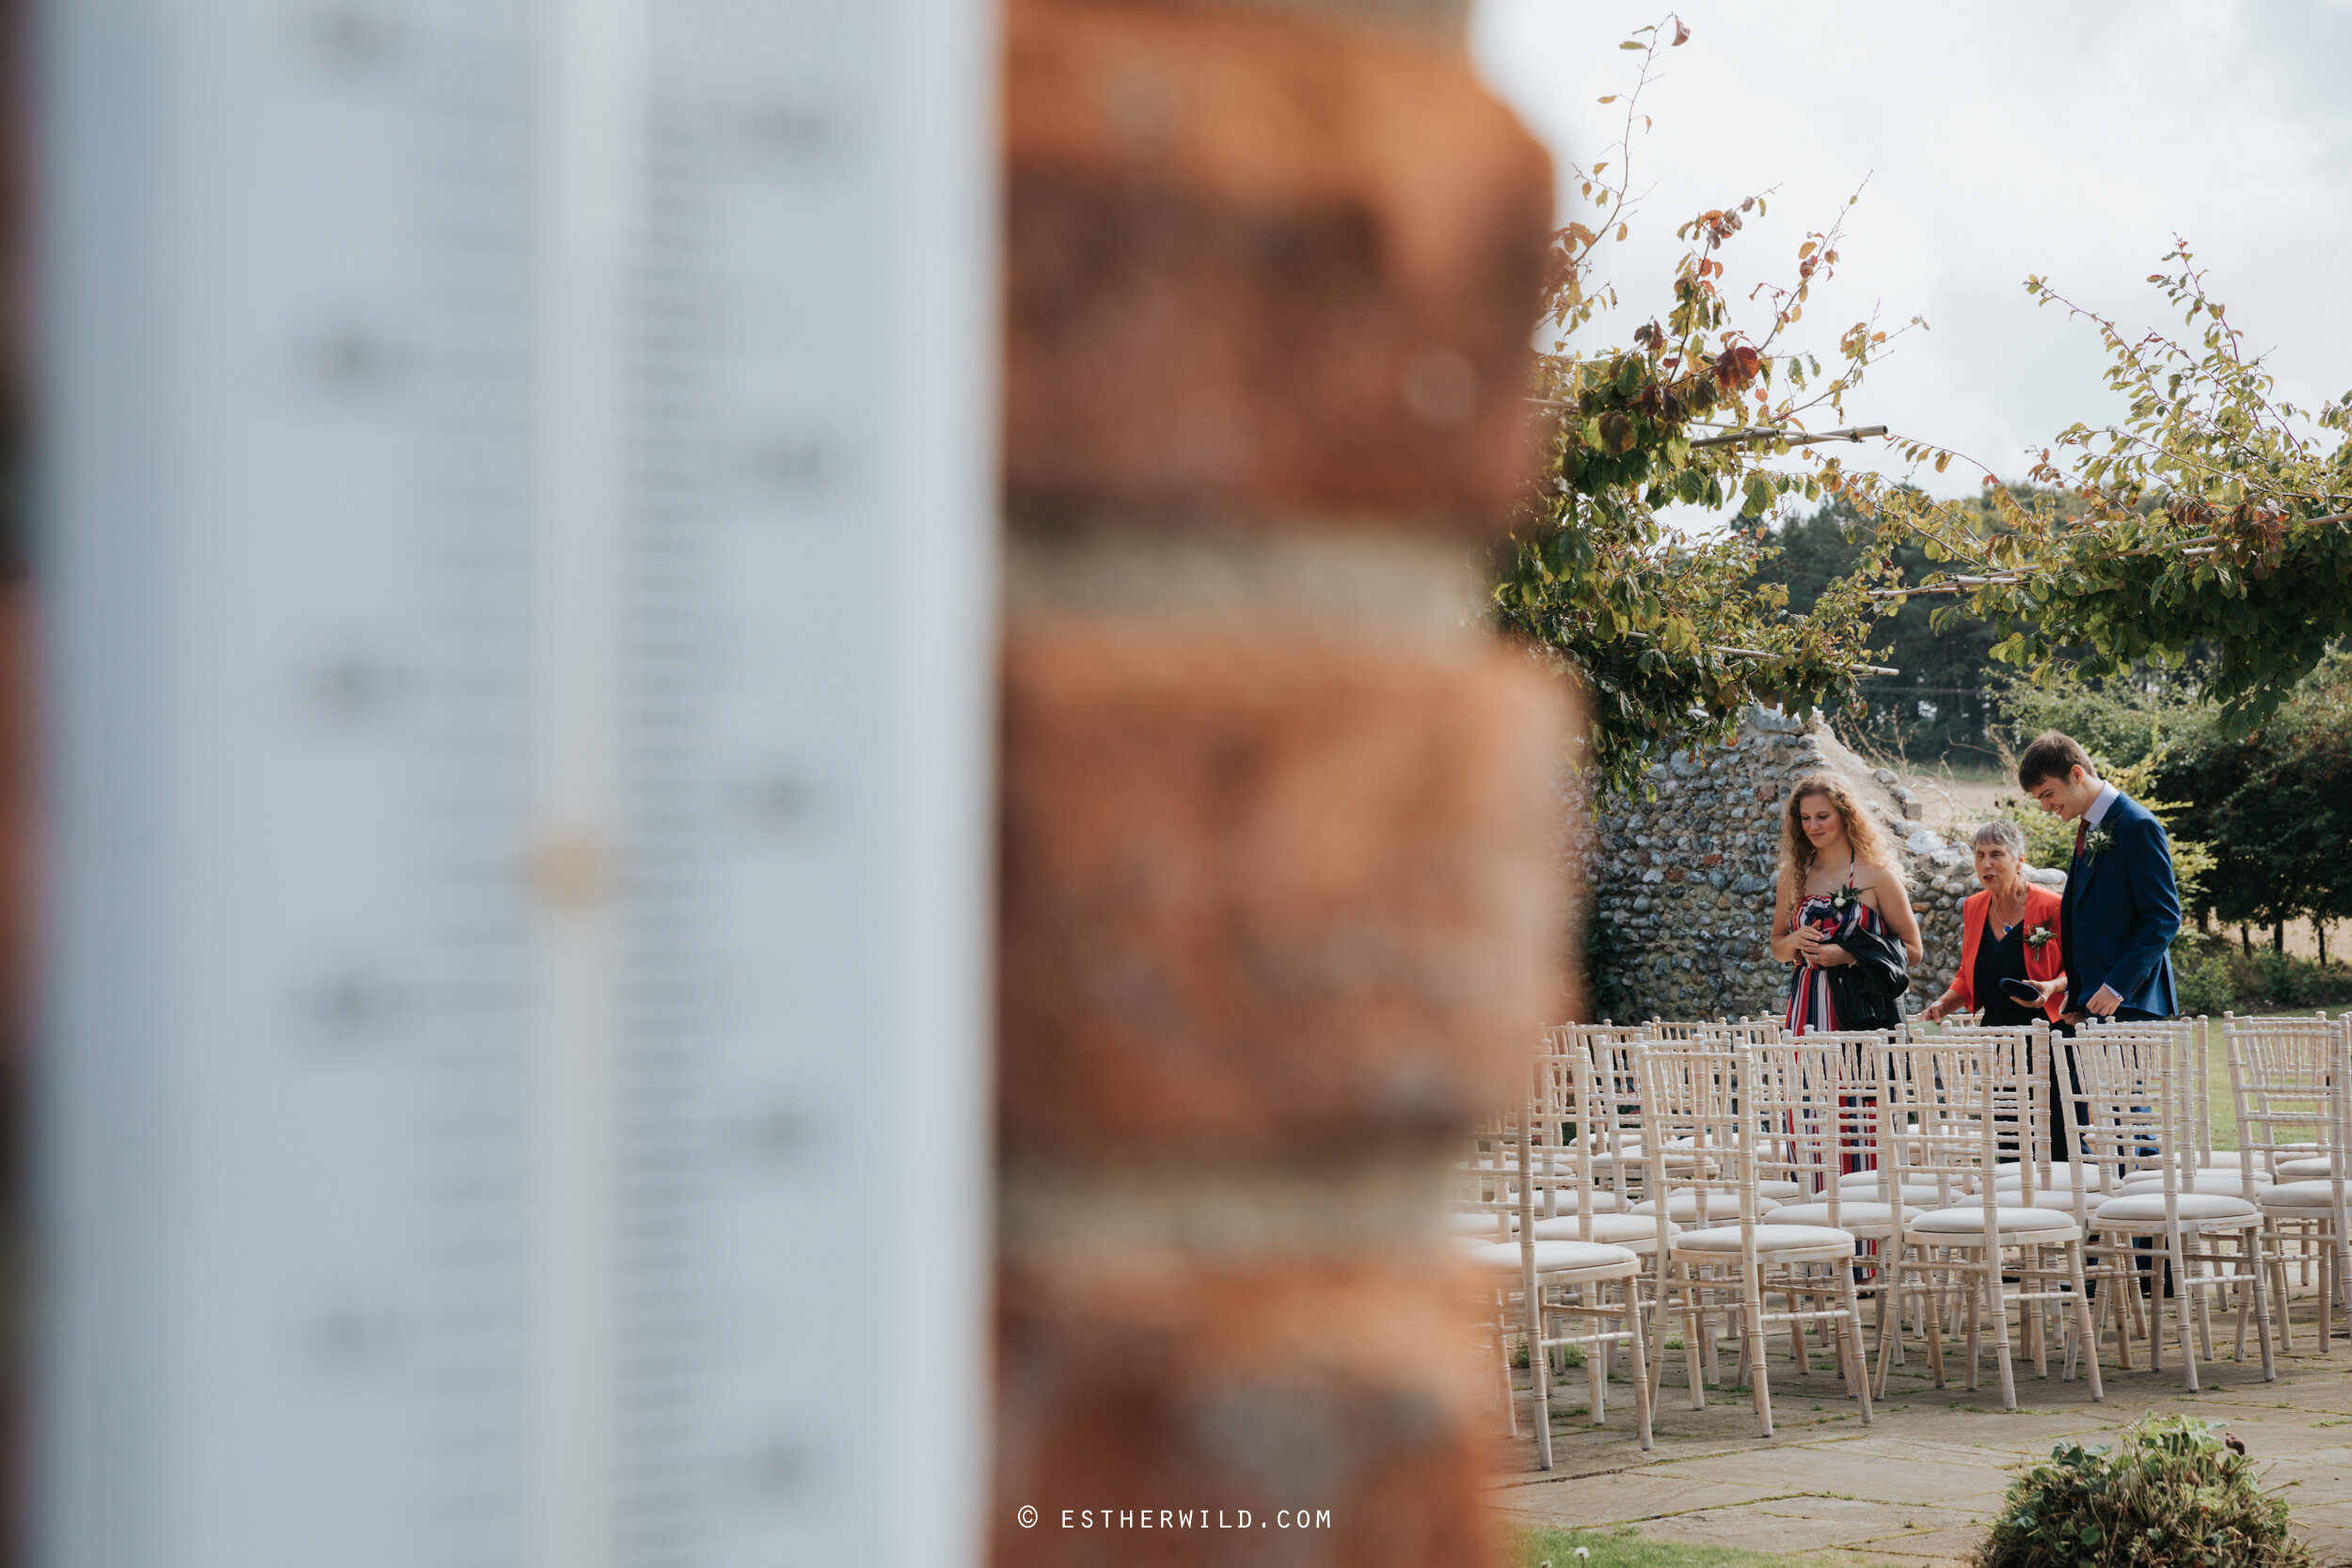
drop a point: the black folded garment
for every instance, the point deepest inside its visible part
(1864, 992)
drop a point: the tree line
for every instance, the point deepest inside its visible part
(2264, 816)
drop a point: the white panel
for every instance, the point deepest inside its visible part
(518, 546)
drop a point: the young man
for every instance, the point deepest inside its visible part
(2122, 909)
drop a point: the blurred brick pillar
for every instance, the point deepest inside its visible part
(1279, 906)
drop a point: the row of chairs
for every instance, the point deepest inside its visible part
(1726, 1177)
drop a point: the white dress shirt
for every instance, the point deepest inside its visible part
(2105, 798)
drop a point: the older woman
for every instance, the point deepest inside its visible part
(2006, 932)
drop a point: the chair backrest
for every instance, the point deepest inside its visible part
(2127, 1108)
(2287, 1088)
(1486, 1180)
(1713, 1031)
(1563, 1038)
(1944, 1102)
(1805, 1111)
(1576, 1134)
(1694, 1133)
(2021, 1075)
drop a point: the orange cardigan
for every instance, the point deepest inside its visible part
(2041, 963)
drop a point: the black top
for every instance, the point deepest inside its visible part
(1997, 961)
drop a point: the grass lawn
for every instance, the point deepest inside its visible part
(1626, 1548)
(2223, 1111)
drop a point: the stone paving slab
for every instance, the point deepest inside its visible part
(1803, 1523)
(1920, 1486)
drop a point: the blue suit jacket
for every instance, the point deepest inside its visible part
(2120, 913)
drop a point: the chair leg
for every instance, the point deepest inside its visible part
(1696, 1354)
(1502, 1362)
(1890, 1313)
(1850, 1338)
(1932, 1321)
(2083, 1317)
(2175, 1251)
(2243, 1294)
(1539, 1379)
(2250, 1251)
(2143, 1313)
(1597, 1358)
(2327, 1302)
(2030, 1321)
(1999, 1308)
(1637, 1346)
(1752, 1341)
(2203, 1269)
(1976, 1293)
(2274, 1243)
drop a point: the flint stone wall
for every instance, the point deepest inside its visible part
(1681, 886)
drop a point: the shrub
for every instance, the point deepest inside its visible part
(2214, 975)
(2167, 1492)
(2204, 985)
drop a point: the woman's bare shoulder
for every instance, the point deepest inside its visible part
(1871, 876)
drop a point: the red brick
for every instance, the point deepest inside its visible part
(1260, 891)
(1262, 1387)
(1264, 260)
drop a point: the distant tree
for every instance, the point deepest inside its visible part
(2133, 720)
(1671, 635)
(1940, 706)
(2211, 515)
(2274, 805)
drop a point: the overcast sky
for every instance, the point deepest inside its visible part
(2071, 140)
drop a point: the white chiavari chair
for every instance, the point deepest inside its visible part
(2288, 1081)
(2127, 1079)
(1613, 1126)
(1951, 1106)
(1715, 1098)
(1562, 1282)
(1817, 1109)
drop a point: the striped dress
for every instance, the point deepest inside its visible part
(1810, 1006)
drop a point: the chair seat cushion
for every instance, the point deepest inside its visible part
(1778, 1190)
(1553, 1258)
(1683, 1207)
(1931, 1198)
(2060, 1178)
(1638, 1231)
(1478, 1225)
(1636, 1154)
(1564, 1200)
(2305, 1167)
(2063, 1201)
(2140, 1208)
(2227, 1183)
(1851, 1211)
(2050, 1224)
(1769, 1239)
(2302, 1195)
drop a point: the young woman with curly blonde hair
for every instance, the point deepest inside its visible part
(1832, 858)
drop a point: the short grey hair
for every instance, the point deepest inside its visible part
(2007, 834)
